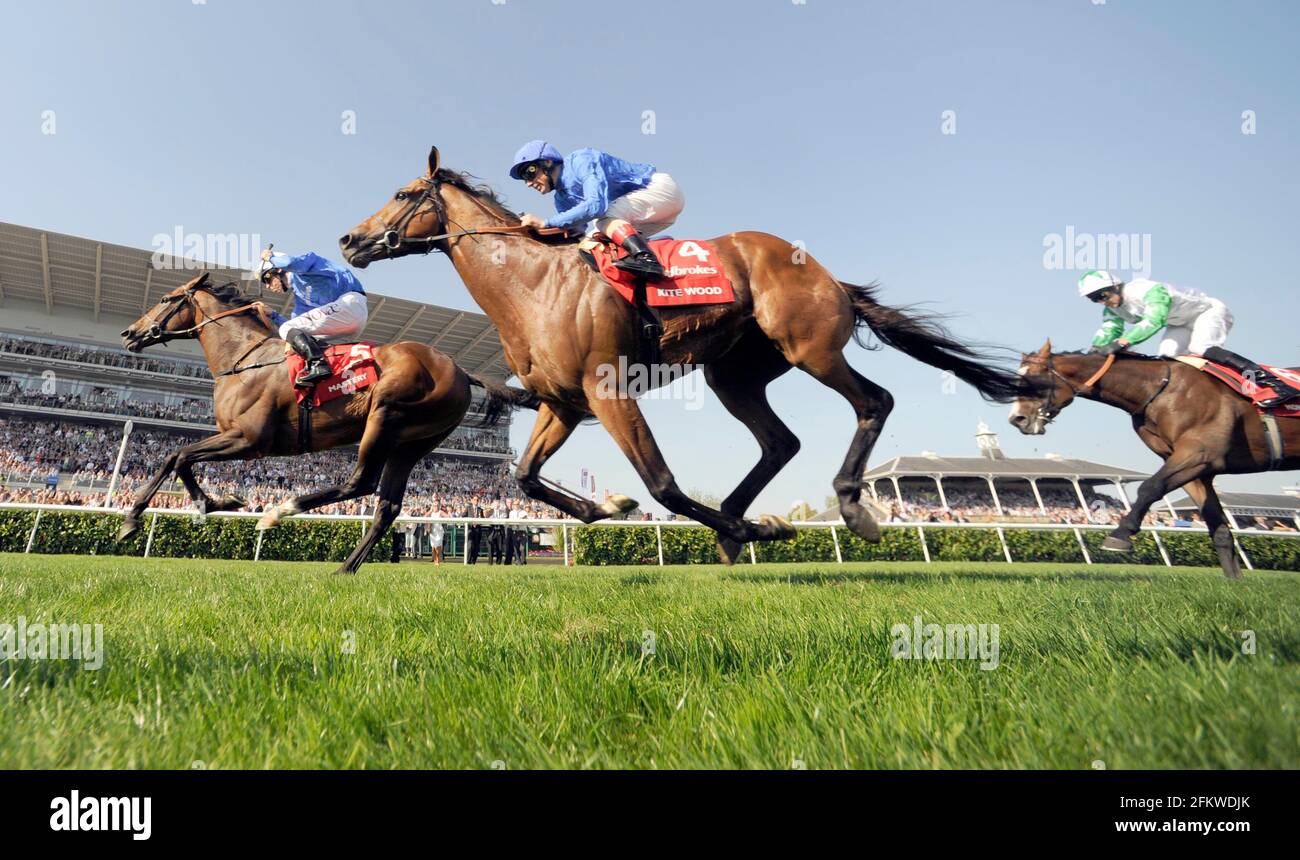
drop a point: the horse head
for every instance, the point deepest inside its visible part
(405, 223)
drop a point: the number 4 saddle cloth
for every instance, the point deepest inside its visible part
(694, 273)
(353, 366)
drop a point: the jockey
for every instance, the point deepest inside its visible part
(1194, 323)
(329, 305)
(622, 200)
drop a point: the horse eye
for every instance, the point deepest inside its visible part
(401, 195)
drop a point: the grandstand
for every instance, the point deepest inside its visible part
(68, 389)
(992, 487)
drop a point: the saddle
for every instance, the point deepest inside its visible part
(352, 367)
(693, 276)
(1248, 388)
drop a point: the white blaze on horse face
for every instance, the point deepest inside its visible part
(1023, 408)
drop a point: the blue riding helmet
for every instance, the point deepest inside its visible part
(532, 151)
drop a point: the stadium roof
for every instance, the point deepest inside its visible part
(102, 278)
(931, 465)
(1258, 504)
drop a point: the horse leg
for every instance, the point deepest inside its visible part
(231, 445)
(1187, 463)
(872, 405)
(622, 418)
(372, 452)
(1203, 493)
(553, 427)
(392, 489)
(740, 381)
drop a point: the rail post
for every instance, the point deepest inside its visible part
(1006, 550)
(1083, 546)
(153, 524)
(839, 557)
(925, 548)
(659, 539)
(31, 538)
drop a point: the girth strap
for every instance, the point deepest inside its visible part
(1273, 435)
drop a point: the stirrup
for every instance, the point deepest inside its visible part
(312, 374)
(641, 264)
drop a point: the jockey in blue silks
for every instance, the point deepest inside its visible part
(329, 305)
(622, 200)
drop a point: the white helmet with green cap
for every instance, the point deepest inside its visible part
(1095, 281)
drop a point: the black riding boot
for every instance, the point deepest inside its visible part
(1256, 374)
(640, 260)
(313, 353)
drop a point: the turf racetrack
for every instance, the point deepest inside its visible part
(240, 665)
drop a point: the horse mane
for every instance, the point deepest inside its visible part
(1122, 354)
(229, 293)
(472, 186)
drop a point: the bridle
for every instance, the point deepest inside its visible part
(394, 237)
(1048, 411)
(156, 333)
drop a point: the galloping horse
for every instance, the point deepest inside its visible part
(420, 397)
(561, 324)
(1198, 425)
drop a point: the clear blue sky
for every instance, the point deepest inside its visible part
(818, 122)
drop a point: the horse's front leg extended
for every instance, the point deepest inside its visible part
(622, 417)
(554, 426)
(231, 445)
(1177, 471)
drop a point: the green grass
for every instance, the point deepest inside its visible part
(235, 664)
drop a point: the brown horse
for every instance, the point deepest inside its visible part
(421, 396)
(1198, 425)
(563, 328)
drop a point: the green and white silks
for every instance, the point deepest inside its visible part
(1194, 322)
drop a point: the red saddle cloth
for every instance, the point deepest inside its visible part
(1246, 388)
(354, 369)
(695, 275)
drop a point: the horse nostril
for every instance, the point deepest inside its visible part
(1018, 419)
(345, 240)
(125, 332)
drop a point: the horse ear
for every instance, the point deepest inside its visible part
(1046, 350)
(435, 160)
(202, 280)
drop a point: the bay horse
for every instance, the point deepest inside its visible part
(562, 327)
(1199, 426)
(420, 398)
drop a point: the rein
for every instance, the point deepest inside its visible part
(1048, 411)
(395, 237)
(187, 297)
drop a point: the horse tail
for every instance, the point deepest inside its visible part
(923, 337)
(502, 399)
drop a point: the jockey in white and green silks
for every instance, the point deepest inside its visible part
(1193, 323)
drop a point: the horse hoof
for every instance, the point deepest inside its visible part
(617, 504)
(864, 523)
(1115, 544)
(129, 528)
(343, 571)
(776, 528)
(729, 550)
